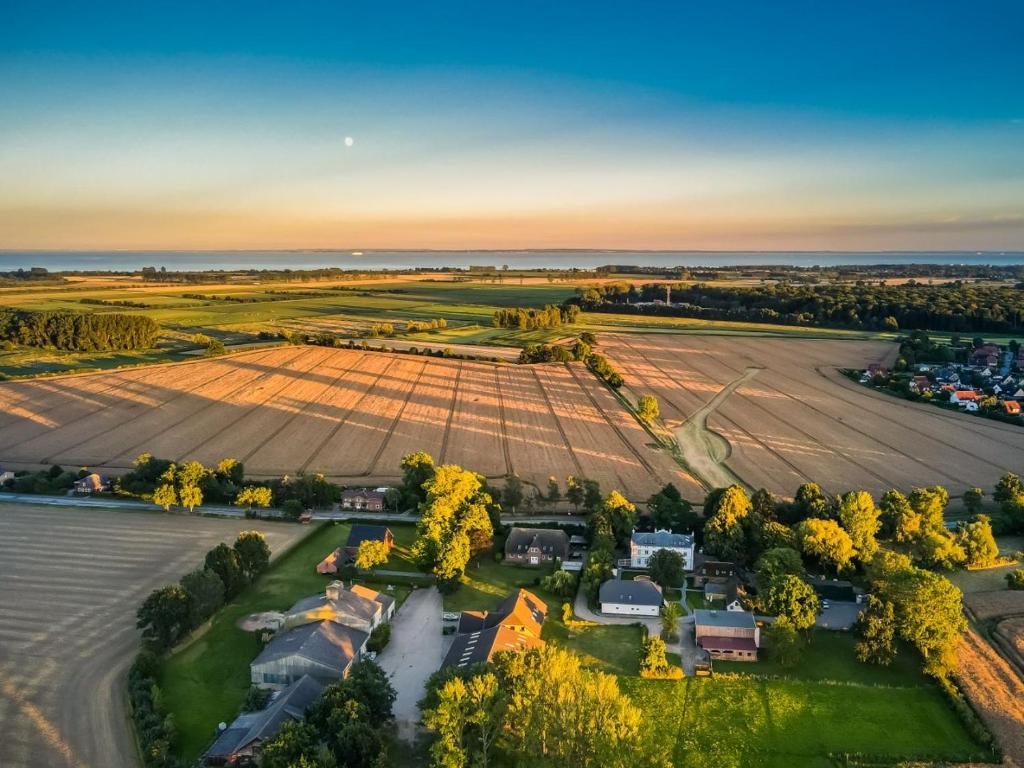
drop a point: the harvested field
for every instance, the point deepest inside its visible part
(1010, 633)
(67, 622)
(347, 413)
(996, 692)
(992, 605)
(788, 416)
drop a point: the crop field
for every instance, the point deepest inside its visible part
(70, 583)
(776, 413)
(347, 413)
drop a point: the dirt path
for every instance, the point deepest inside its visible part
(996, 692)
(704, 450)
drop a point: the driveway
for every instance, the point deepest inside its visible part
(840, 615)
(414, 653)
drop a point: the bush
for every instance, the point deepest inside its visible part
(292, 509)
(379, 638)
(1015, 579)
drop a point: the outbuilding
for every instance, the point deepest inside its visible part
(623, 597)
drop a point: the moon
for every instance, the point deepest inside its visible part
(349, 141)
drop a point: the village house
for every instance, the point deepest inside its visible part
(91, 483)
(240, 743)
(359, 533)
(359, 607)
(515, 625)
(965, 398)
(714, 571)
(364, 499)
(536, 546)
(644, 544)
(727, 635)
(630, 597)
(324, 650)
(920, 384)
(1011, 407)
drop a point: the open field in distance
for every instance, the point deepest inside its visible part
(70, 583)
(776, 413)
(349, 414)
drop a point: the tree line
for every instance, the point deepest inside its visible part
(78, 332)
(956, 306)
(550, 316)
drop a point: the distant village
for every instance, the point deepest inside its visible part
(987, 379)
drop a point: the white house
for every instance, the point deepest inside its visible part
(630, 598)
(644, 544)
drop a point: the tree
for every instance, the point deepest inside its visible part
(454, 514)
(164, 616)
(876, 627)
(574, 492)
(620, 514)
(973, 499)
(724, 532)
(764, 505)
(654, 662)
(826, 541)
(554, 491)
(591, 494)
(938, 549)
(670, 511)
(292, 509)
(899, 520)
(671, 613)
(254, 496)
(191, 473)
(1009, 489)
(859, 518)
(930, 503)
(223, 560)
(794, 599)
(783, 642)
(666, 568)
(296, 741)
(253, 553)
(448, 720)
(647, 408)
(371, 554)
(190, 496)
(512, 493)
(205, 593)
(811, 501)
(560, 583)
(165, 496)
(776, 562)
(977, 541)
(231, 470)
(417, 469)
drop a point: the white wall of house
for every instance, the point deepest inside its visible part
(630, 609)
(639, 555)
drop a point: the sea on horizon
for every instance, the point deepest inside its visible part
(124, 260)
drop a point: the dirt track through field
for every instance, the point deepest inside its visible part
(996, 691)
(350, 414)
(800, 420)
(67, 622)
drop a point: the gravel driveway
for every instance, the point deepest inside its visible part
(414, 653)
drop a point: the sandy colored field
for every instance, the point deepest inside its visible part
(992, 605)
(996, 692)
(67, 625)
(789, 417)
(347, 413)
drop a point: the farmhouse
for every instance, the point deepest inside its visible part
(644, 544)
(90, 484)
(240, 742)
(363, 498)
(624, 597)
(714, 571)
(536, 546)
(324, 650)
(727, 635)
(516, 624)
(359, 607)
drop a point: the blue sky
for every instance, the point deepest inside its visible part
(650, 125)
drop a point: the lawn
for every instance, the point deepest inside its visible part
(206, 681)
(729, 722)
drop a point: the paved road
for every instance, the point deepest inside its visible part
(414, 653)
(840, 615)
(70, 582)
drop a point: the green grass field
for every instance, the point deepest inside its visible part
(206, 681)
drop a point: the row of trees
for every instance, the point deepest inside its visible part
(171, 612)
(539, 707)
(526, 319)
(78, 332)
(956, 306)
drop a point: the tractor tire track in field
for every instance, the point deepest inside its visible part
(739, 428)
(615, 427)
(394, 424)
(246, 410)
(504, 424)
(351, 409)
(148, 408)
(451, 413)
(326, 391)
(558, 423)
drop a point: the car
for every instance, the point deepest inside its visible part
(825, 605)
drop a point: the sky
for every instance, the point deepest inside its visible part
(640, 125)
